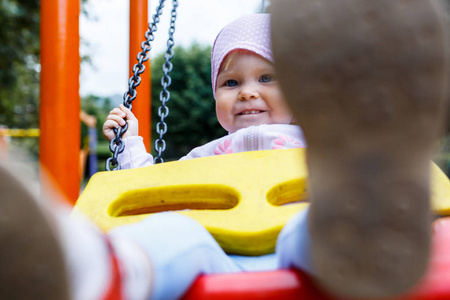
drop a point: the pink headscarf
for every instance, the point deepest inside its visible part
(250, 32)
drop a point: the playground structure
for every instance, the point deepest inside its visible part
(6, 134)
(59, 148)
(87, 155)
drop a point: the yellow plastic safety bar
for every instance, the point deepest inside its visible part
(243, 199)
(33, 132)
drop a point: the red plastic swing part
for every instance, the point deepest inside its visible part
(289, 284)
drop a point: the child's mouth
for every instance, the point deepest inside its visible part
(251, 112)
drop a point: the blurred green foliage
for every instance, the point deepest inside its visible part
(19, 63)
(20, 67)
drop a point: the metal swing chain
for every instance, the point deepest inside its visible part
(116, 146)
(164, 96)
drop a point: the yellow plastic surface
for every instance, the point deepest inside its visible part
(243, 199)
(440, 191)
(238, 197)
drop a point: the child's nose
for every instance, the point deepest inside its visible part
(248, 92)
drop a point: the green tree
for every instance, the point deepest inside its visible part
(19, 63)
(192, 120)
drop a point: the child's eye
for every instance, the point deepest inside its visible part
(231, 83)
(265, 78)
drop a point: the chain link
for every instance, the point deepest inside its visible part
(166, 81)
(116, 146)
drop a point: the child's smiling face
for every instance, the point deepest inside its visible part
(248, 93)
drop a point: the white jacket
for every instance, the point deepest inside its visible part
(261, 137)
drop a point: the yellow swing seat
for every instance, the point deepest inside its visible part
(243, 199)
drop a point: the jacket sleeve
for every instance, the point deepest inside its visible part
(134, 154)
(209, 149)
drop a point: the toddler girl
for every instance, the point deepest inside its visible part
(249, 102)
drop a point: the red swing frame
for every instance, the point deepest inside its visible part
(59, 149)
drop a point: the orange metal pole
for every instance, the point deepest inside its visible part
(59, 94)
(142, 103)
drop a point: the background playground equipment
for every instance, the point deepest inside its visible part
(14, 132)
(88, 153)
(7, 133)
(87, 156)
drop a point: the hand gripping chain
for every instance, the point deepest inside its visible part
(116, 145)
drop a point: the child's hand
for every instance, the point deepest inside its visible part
(116, 118)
